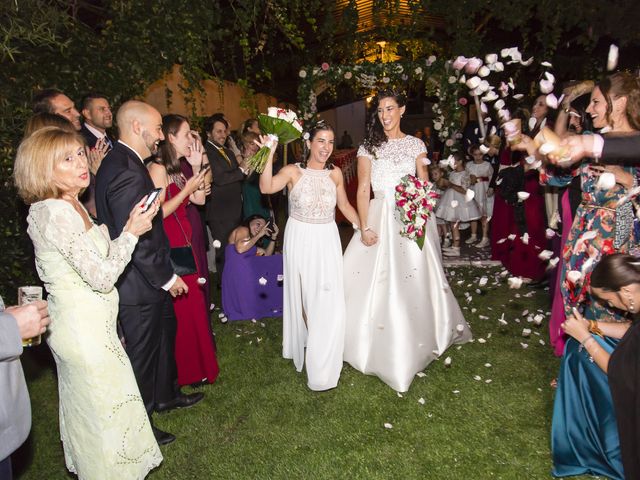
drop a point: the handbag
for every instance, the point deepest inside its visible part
(182, 259)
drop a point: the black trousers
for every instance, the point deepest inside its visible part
(150, 339)
(5, 469)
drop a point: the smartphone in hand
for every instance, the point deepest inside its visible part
(153, 194)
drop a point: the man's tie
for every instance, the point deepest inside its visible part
(224, 154)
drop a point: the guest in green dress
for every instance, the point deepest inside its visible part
(253, 202)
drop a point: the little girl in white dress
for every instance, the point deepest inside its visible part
(457, 204)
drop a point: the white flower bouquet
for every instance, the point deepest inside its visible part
(282, 126)
(415, 201)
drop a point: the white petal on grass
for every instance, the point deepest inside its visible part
(526, 332)
(482, 340)
(488, 365)
(421, 374)
(388, 426)
(477, 378)
(488, 380)
(447, 362)
(515, 282)
(483, 281)
(524, 345)
(421, 401)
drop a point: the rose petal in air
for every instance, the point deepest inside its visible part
(262, 281)
(545, 254)
(469, 195)
(612, 57)
(522, 196)
(454, 203)
(574, 276)
(532, 123)
(216, 244)
(552, 101)
(606, 181)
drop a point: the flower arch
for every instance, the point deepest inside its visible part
(366, 78)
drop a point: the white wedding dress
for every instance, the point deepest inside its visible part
(401, 313)
(314, 309)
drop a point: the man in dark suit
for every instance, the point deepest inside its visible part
(146, 310)
(224, 205)
(97, 119)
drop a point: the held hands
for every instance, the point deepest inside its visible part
(178, 288)
(140, 222)
(32, 319)
(576, 326)
(368, 237)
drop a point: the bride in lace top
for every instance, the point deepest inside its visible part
(104, 426)
(313, 309)
(401, 313)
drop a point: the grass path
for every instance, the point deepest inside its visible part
(260, 421)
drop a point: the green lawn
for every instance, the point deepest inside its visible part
(259, 420)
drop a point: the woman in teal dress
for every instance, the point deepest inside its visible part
(104, 427)
(584, 435)
(253, 201)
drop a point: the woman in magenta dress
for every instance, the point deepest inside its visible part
(195, 350)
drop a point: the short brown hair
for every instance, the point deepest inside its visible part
(36, 159)
(41, 120)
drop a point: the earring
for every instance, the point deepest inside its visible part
(632, 306)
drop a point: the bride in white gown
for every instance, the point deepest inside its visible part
(401, 312)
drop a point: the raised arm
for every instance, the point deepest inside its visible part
(60, 226)
(268, 182)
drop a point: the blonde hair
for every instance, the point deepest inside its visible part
(36, 159)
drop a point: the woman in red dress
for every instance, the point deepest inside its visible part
(195, 349)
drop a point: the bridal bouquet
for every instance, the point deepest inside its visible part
(281, 126)
(415, 201)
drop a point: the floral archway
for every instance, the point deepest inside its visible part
(436, 76)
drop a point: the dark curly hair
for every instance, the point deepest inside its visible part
(313, 131)
(375, 136)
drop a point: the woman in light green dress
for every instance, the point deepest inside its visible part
(104, 427)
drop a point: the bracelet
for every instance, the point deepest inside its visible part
(593, 328)
(366, 229)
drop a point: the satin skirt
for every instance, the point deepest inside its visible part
(314, 309)
(401, 312)
(584, 433)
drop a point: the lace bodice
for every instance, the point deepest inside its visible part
(461, 179)
(313, 198)
(393, 160)
(67, 255)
